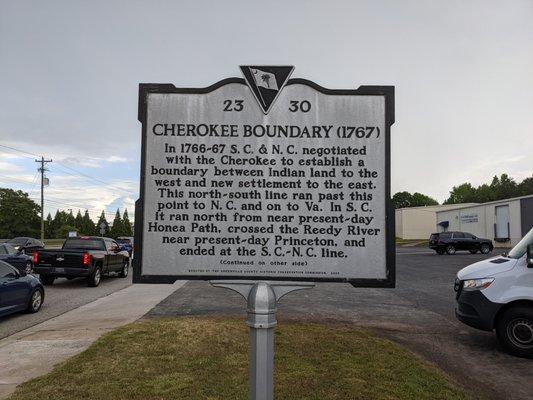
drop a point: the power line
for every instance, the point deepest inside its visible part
(95, 179)
(107, 184)
(20, 151)
(72, 169)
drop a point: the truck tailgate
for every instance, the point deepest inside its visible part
(61, 258)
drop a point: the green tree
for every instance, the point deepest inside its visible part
(59, 220)
(406, 199)
(504, 187)
(463, 193)
(19, 215)
(525, 187)
(78, 221)
(48, 226)
(419, 200)
(102, 221)
(87, 224)
(63, 231)
(128, 231)
(484, 193)
(117, 229)
(70, 219)
(402, 200)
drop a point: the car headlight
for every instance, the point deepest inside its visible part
(477, 284)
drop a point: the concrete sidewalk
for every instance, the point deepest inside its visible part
(35, 351)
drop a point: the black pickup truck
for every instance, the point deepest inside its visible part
(86, 256)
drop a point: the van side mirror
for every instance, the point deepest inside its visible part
(529, 259)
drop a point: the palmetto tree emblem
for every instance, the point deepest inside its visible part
(266, 78)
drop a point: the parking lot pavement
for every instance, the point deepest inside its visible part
(63, 296)
(418, 313)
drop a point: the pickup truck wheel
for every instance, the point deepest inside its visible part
(125, 270)
(95, 278)
(485, 248)
(36, 301)
(450, 249)
(47, 280)
(515, 331)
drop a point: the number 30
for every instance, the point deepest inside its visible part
(303, 106)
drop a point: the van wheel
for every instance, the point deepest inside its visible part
(485, 248)
(450, 249)
(95, 278)
(515, 331)
(473, 251)
(47, 280)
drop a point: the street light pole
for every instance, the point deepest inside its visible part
(41, 169)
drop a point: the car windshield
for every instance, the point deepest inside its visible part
(520, 249)
(84, 244)
(17, 241)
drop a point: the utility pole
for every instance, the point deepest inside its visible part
(41, 169)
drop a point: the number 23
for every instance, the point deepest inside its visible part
(233, 105)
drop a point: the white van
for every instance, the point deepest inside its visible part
(497, 294)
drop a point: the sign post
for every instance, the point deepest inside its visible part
(262, 305)
(265, 185)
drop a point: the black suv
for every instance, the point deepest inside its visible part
(450, 242)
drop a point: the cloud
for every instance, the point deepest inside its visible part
(116, 159)
(8, 168)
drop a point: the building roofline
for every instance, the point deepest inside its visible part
(448, 206)
(493, 202)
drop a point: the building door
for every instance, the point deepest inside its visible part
(501, 227)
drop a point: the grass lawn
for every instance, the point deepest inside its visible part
(53, 242)
(419, 242)
(205, 358)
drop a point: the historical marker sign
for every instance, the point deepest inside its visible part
(265, 178)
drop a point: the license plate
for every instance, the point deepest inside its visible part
(60, 270)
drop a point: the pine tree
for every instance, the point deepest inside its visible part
(70, 220)
(128, 231)
(78, 222)
(118, 226)
(59, 220)
(48, 227)
(102, 220)
(87, 224)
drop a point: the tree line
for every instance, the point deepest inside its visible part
(63, 223)
(502, 187)
(20, 216)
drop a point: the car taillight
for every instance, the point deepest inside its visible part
(36, 258)
(86, 259)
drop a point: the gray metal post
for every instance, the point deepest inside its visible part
(262, 298)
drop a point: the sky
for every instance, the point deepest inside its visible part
(69, 75)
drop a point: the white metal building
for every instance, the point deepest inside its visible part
(420, 222)
(504, 221)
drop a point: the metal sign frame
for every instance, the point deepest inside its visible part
(385, 91)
